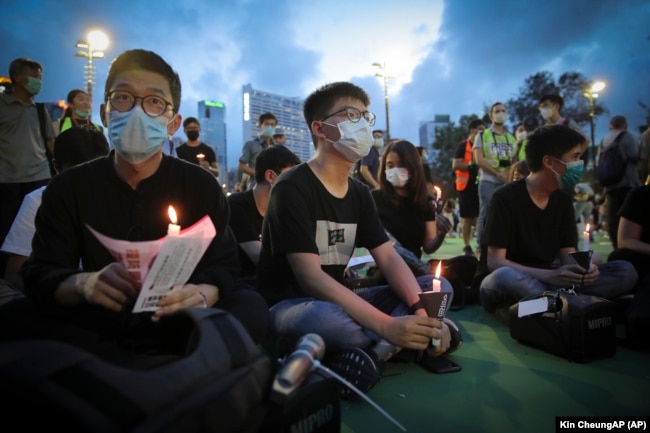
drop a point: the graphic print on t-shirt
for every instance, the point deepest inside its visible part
(335, 242)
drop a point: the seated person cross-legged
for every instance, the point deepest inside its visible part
(531, 223)
(316, 216)
(409, 213)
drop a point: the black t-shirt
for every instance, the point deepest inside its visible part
(188, 153)
(246, 224)
(636, 208)
(531, 236)
(303, 217)
(405, 222)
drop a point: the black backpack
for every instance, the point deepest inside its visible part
(216, 382)
(612, 162)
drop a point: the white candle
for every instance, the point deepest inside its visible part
(438, 193)
(436, 279)
(200, 157)
(173, 229)
(585, 239)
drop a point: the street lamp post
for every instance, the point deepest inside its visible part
(92, 48)
(381, 72)
(591, 93)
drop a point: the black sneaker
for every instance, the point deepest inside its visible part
(357, 367)
(468, 250)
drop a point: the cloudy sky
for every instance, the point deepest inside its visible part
(445, 57)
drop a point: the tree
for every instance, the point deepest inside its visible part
(571, 86)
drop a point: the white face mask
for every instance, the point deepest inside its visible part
(500, 118)
(546, 113)
(521, 135)
(356, 139)
(397, 176)
(379, 142)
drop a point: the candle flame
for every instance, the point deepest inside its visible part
(587, 228)
(438, 190)
(172, 214)
(200, 155)
(438, 270)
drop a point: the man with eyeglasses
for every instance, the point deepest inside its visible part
(316, 216)
(126, 196)
(493, 152)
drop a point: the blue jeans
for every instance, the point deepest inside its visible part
(505, 286)
(485, 191)
(299, 316)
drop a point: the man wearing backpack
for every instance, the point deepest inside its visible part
(617, 192)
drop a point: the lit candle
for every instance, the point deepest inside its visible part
(436, 279)
(200, 157)
(173, 229)
(438, 193)
(585, 239)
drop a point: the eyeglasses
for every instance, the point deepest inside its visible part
(152, 105)
(354, 115)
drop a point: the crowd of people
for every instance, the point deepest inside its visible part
(279, 260)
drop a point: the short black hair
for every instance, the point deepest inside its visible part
(475, 124)
(148, 61)
(320, 102)
(75, 146)
(554, 98)
(274, 158)
(19, 64)
(553, 140)
(618, 122)
(378, 130)
(267, 116)
(189, 120)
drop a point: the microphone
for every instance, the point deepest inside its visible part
(309, 350)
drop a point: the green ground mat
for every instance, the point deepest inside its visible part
(504, 386)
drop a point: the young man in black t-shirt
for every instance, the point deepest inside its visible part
(315, 218)
(531, 222)
(196, 151)
(247, 208)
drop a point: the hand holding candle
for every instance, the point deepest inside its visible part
(200, 157)
(173, 229)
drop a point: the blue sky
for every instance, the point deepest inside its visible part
(447, 57)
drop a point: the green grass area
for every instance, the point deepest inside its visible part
(453, 246)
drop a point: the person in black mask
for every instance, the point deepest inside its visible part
(196, 151)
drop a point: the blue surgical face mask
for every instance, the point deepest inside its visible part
(136, 136)
(268, 131)
(572, 174)
(34, 85)
(83, 114)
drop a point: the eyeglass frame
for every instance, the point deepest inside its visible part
(168, 104)
(362, 114)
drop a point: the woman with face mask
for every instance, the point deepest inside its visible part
(409, 213)
(77, 114)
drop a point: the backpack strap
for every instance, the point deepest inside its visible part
(40, 108)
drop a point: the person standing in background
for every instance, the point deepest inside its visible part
(26, 140)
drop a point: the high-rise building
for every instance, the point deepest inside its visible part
(288, 111)
(427, 129)
(212, 116)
